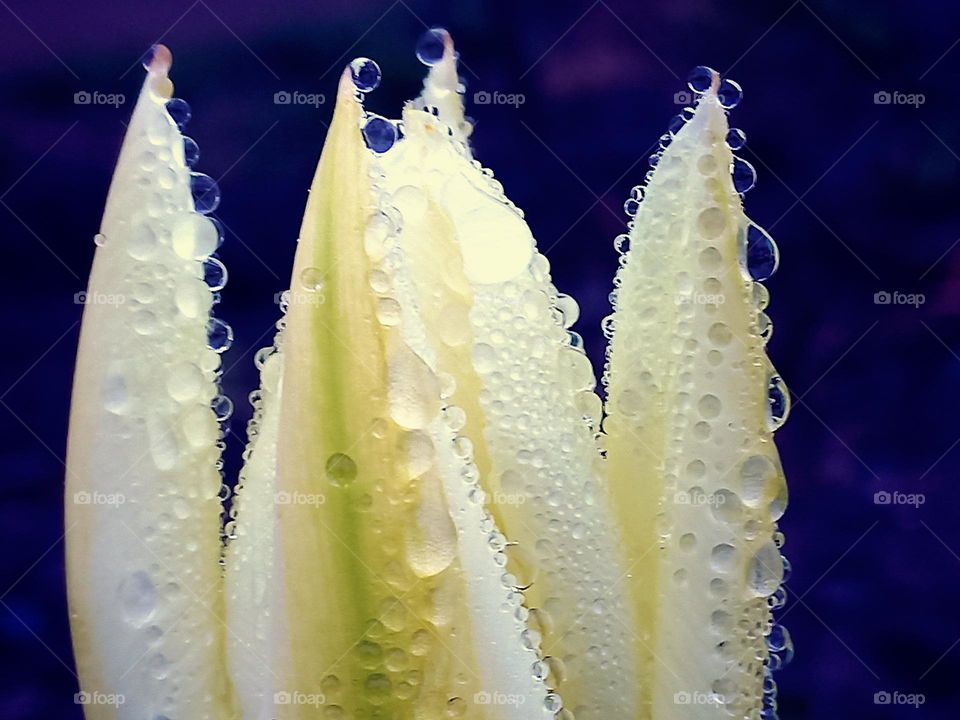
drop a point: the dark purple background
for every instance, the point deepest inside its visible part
(861, 197)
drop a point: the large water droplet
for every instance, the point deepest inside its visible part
(179, 111)
(700, 78)
(758, 477)
(729, 93)
(430, 46)
(379, 134)
(762, 256)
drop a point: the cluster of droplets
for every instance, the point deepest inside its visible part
(757, 497)
(542, 455)
(161, 385)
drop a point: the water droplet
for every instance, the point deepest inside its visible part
(138, 598)
(99, 239)
(723, 557)
(205, 191)
(179, 111)
(621, 244)
(312, 279)
(779, 638)
(365, 73)
(779, 402)
(762, 254)
(214, 274)
(341, 469)
(631, 207)
(379, 134)
(765, 572)
(430, 46)
(222, 407)
(195, 236)
(729, 93)
(700, 78)
(674, 126)
(736, 139)
(758, 476)
(219, 335)
(553, 703)
(184, 381)
(744, 176)
(191, 151)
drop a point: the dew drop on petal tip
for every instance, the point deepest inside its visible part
(430, 46)
(365, 73)
(700, 78)
(762, 253)
(729, 93)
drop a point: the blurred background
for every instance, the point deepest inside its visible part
(851, 124)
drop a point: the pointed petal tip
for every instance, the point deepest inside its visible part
(158, 60)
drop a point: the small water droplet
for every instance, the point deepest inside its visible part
(779, 402)
(219, 335)
(179, 111)
(379, 134)
(191, 151)
(312, 279)
(430, 46)
(365, 73)
(214, 273)
(222, 407)
(744, 175)
(729, 93)
(700, 78)
(341, 469)
(205, 191)
(99, 239)
(736, 139)
(762, 256)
